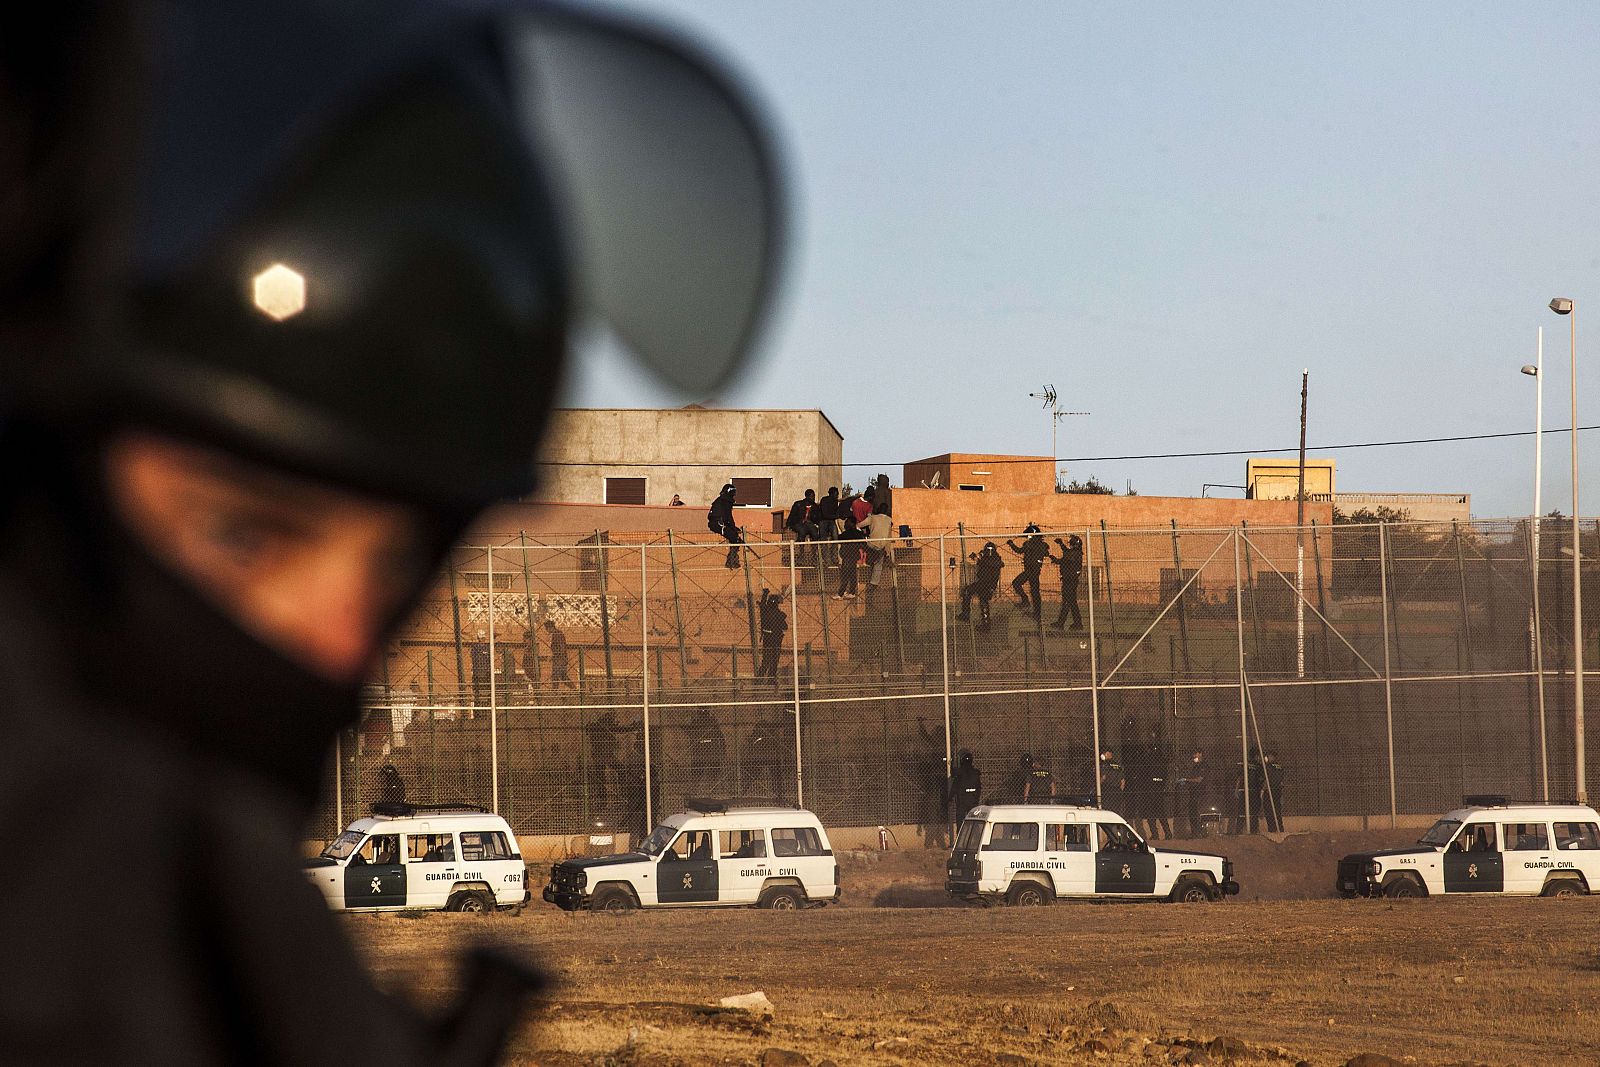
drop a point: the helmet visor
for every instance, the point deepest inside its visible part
(666, 181)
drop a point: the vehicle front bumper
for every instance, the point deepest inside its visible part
(1355, 880)
(1230, 888)
(566, 899)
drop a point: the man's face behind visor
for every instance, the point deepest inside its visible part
(315, 572)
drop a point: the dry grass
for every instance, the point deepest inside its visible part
(1501, 981)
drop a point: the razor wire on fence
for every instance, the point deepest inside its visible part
(1367, 671)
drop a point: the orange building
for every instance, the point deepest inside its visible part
(981, 473)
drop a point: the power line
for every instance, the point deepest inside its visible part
(997, 460)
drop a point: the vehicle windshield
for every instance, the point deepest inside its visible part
(1441, 833)
(341, 847)
(969, 837)
(658, 840)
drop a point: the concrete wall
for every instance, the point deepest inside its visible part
(997, 474)
(930, 512)
(1419, 507)
(689, 451)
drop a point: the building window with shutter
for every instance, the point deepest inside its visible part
(624, 490)
(753, 492)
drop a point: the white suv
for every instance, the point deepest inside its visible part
(1029, 854)
(1487, 846)
(775, 858)
(403, 857)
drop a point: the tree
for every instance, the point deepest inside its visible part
(1366, 516)
(1091, 485)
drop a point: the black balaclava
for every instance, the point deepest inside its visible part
(141, 640)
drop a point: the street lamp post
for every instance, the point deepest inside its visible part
(1563, 306)
(1536, 370)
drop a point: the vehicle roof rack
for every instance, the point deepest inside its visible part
(722, 807)
(401, 809)
(1485, 800)
(1077, 800)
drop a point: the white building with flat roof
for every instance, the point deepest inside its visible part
(645, 455)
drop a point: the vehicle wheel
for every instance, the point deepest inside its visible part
(1402, 887)
(1027, 895)
(1192, 891)
(1563, 887)
(782, 898)
(470, 901)
(612, 898)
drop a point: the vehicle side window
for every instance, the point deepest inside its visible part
(1584, 835)
(796, 841)
(689, 845)
(381, 850)
(1526, 837)
(431, 848)
(1014, 837)
(479, 845)
(1476, 837)
(1066, 837)
(743, 844)
(1115, 837)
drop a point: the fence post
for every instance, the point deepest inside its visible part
(794, 655)
(1111, 603)
(1094, 681)
(1538, 659)
(494, 711)
(745, 557)
(455, 623)
(944, 653)
(1244, 728)
(1183, 614)
(605, 607)
(338, 783)
(1388, 689)
(1461, 575)
(644, 681)
(527, 599)
(677, 613)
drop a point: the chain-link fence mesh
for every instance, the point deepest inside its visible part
(1355, 671)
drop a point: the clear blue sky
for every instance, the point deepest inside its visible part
(1167, 211)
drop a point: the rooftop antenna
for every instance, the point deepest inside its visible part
(1052, 404)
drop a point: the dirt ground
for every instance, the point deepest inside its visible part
(1281, 979)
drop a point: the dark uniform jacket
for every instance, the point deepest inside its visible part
(164, 834)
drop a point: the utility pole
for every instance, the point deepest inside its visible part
(1300, 541)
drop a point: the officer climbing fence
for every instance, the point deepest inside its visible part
(1245, 678)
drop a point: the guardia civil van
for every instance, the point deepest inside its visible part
(1488, 845)
(1031, 854)
(709, 856)
(451, 857)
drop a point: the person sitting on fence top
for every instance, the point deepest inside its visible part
(256, 383)
(720, 521)
(799, 521)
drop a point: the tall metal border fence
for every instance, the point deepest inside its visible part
(601, 684)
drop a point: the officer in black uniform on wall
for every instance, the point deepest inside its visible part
(1033, 552)
(285, 294)
(1070, 564)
